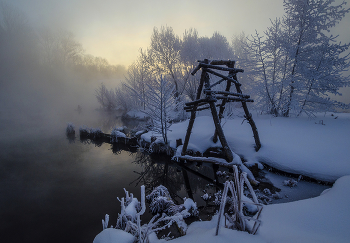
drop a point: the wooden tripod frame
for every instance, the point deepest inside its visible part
(211, 97)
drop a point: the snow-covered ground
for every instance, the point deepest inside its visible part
(321, 219)
(318, 148)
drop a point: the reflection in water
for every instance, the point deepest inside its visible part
(58, 190)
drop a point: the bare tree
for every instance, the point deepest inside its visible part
(163, 56)
(298, 63)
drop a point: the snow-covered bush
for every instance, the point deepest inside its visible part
(90, 132)
(70, 130)
(218, 197)
(190, 206)
(131, 210)
(117, 133)
(159, 191)
(248, 221)
(160, 204)
(290, 183)
(206, 197)
(84, 130)
(96, 132)
(130, 206)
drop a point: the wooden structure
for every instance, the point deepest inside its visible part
(212, 98)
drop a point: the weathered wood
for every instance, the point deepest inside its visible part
(213, 160)
(233, 70)
(224, 77)
(196, 102)
(200, 108)
(233, 99)
(195, 70)
(250, 120)
(212, 97)
(223, 103)
(226, 93)
(183, 166)
(187, 184)
(204, 76)
(220, 132)
(218, 82)
(222, 62)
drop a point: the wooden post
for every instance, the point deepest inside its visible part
(223, 103)
(204, 76)
(187, 184)
(220, 132)
(250, 120)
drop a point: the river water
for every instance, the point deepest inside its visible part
(56, 190)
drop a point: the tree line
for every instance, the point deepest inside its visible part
(26, 47)
(290, 69)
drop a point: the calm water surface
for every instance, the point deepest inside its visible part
(53, 190)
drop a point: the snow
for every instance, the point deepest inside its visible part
(322, 219)
(296, 145)
(130, 210)
(325, 218)
(118, 134)
(318, 148)
(189, 203)
(137, 114)
(112, 235)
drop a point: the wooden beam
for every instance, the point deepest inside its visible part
(204, 76)
(233, 70)
(233, 99)
(223, 76)
(222, 62)
(220, 133)
(226, 93)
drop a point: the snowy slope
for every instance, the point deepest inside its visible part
(296, 145)
(322, 219)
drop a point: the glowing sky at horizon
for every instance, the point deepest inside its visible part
(116, 30)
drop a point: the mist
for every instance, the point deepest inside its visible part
(45, 74)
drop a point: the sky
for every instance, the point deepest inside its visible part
(116, 30)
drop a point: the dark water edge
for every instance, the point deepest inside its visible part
(53, 190)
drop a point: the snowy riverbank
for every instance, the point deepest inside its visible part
(317, 148)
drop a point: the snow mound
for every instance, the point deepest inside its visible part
(112, 235)
(295, 145)
(322, 219)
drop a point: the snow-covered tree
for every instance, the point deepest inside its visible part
(138, 76)
(106, 98)
(163, 56)
(160, 104)
(298, 63)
